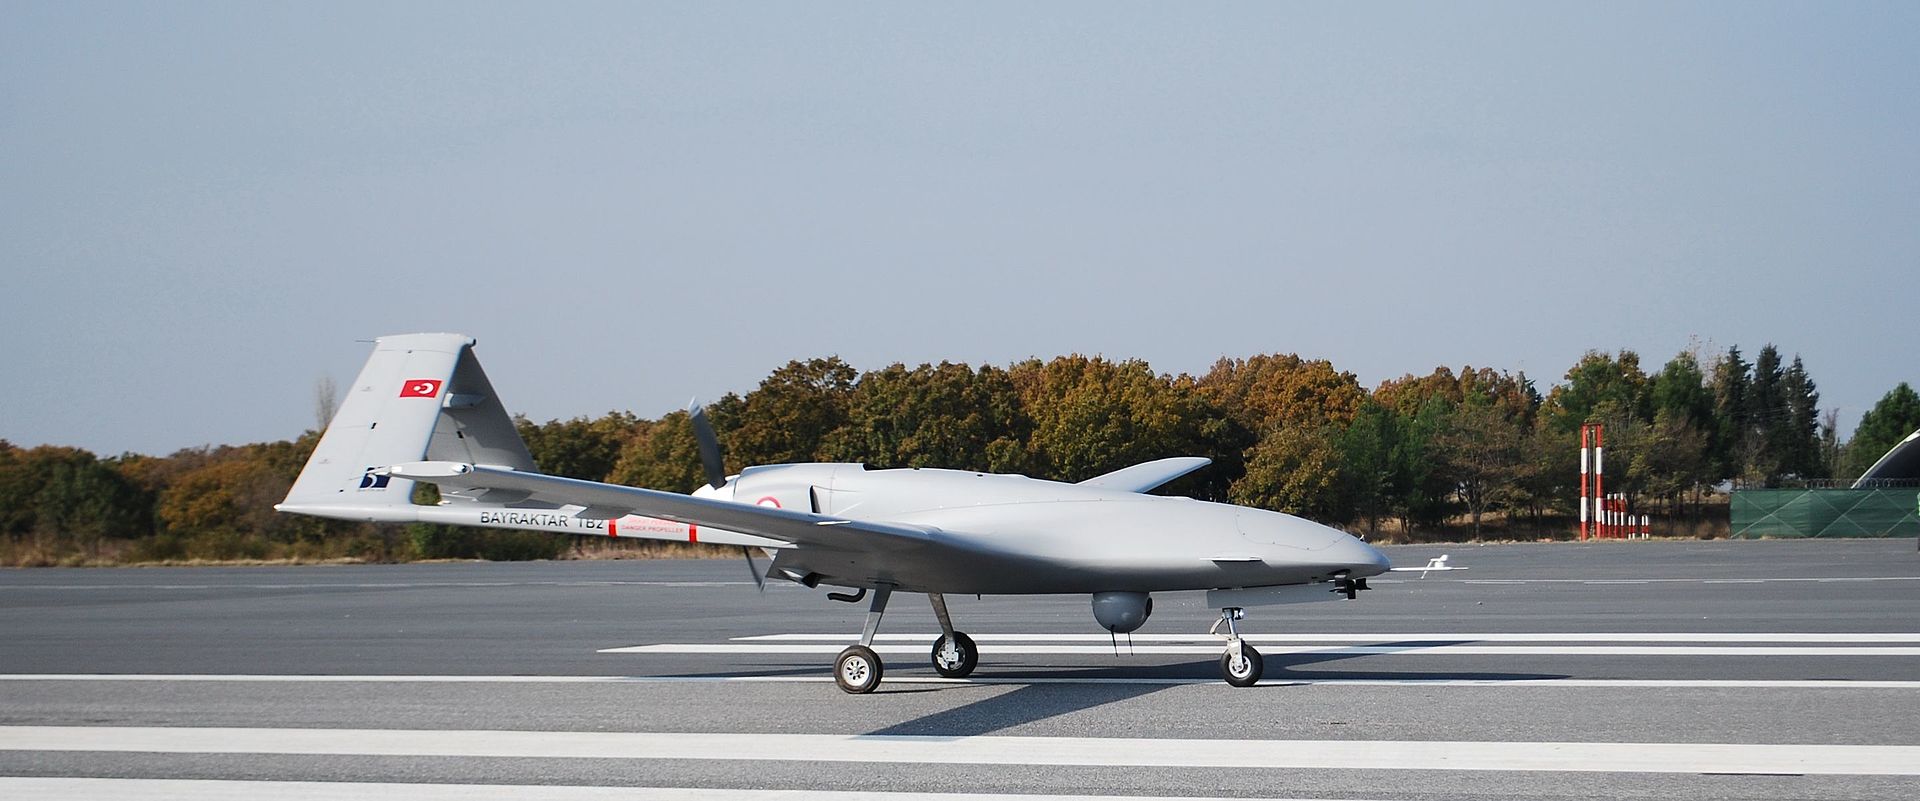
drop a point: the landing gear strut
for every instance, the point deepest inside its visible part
(858, 669)
(954, 654)
(1241, 665)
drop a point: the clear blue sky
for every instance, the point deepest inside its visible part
(203, 205)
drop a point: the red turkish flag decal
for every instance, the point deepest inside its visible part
(420, 388)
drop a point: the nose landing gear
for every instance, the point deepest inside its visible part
(1241, 665)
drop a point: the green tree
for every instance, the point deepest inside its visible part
(1896, 415)
(1680, 389)
(579, 448)
(1481, 452)
(1797, 438)
(58, 494)
(1670, 460)
(1376, 463)
(1601, 388)
(1732, 384)
(935, 416)
(791, 415)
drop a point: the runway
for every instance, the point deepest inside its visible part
(1615, 670)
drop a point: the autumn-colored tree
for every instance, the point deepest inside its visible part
(1091, 415)
(1409, 393)
(1297, 471)
(664, 455)
(1274, 391)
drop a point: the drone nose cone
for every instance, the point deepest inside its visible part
(1359, 558)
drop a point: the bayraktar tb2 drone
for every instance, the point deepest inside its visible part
(422, 410)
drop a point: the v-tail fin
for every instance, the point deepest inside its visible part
(419, 397)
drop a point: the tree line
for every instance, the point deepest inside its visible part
(1441, 454)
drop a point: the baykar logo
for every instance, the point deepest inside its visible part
(369, 480)
(420, 388)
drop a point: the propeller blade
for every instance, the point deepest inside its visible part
(709, 448)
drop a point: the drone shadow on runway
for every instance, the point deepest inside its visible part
(1064, 691)
(1036, 702)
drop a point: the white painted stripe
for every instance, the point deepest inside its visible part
(1676, 580)
(1717, 684)
(781, 585)
(1330, 650)
(1429, 637)
(1883, 760)
(57, 789)
(376, 585)
(385, 585)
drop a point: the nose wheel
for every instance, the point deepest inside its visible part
(1241, 669)
(1241, 665)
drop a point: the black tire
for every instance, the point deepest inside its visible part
(968, 657)
(858, 669)
(1247, 671)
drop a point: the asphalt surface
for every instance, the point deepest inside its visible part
(521, 648)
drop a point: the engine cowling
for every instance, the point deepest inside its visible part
(1122, 612)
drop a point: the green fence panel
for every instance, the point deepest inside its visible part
(1825, 513)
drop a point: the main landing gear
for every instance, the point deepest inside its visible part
(858, 669)
(1241, 665)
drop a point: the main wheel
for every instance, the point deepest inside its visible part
(1245, 670)
(955, 657)
(858, 669)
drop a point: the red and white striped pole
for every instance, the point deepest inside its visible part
(1586, 444)
(1599, 477)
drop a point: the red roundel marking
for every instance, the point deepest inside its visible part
(420, 388)
(768, 501)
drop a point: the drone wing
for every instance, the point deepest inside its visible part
(613, 500)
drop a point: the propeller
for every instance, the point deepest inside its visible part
(717, 475)
(709, 447)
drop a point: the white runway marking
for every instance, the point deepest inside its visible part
(785, 585)
(223, 790)
(1426, 637)
(1103, 649)
(268, 678)
(1777, 759)
(1691, 580)
(387, 585)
